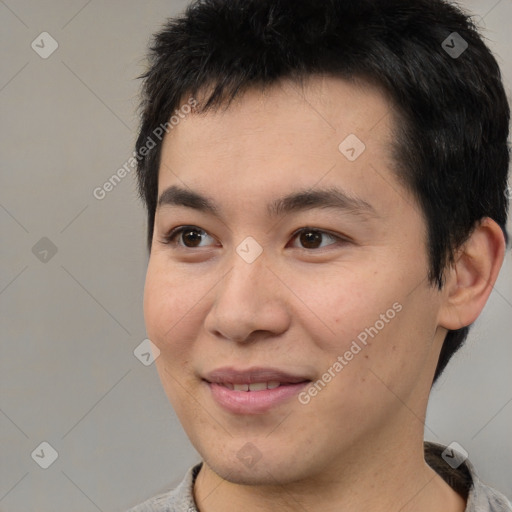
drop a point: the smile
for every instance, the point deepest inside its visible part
(257, 386)
(252, 391)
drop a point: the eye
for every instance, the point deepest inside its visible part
(311, 238)
(189, 236)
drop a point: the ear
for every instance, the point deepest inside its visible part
(469, 281)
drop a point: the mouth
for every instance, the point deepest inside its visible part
(256, 386)
(253, 391)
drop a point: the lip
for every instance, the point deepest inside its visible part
(252, 375)
(253, 402)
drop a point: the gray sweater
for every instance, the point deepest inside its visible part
(480, 497)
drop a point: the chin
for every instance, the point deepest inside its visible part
(263, 472)
(270, 465)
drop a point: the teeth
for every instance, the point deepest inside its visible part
(256, 386)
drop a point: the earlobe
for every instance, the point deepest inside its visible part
(469, 281)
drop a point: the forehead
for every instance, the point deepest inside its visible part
(329, 106)
(285, 137)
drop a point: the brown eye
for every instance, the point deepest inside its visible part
(191, 237)
(187, 236)
(310, 239)
(314, 238)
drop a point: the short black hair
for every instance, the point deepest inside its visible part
(451, 144)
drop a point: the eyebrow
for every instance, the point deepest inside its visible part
(301, 200)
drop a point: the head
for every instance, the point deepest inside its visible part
(277, 104)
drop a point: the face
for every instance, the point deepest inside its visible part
(296, 327)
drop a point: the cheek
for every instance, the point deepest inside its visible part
(346, 307)
(171, 324)
(372, 320)
(157, 305)
(168, 307)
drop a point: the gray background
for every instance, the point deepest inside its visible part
(68, 374)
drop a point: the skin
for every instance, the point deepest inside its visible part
(358, 444)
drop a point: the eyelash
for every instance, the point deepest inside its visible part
(170, 237)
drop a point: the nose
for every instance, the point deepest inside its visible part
(248, 303)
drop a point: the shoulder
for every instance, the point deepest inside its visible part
(464, 480)
(483, 498)
(180, 499)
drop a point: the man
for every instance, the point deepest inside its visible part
(326, 193)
